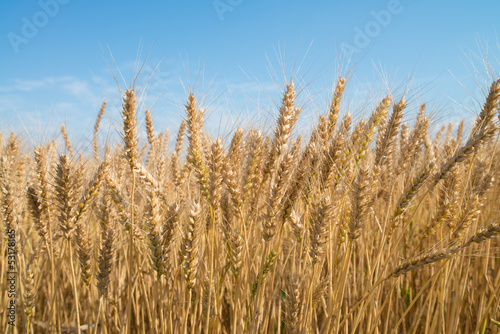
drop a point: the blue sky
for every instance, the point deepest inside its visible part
(57, 58)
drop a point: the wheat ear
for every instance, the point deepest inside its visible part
(335, 106)
(490, 106)
(95, 145)
(66, 140)
(177, 152)
(130, 127)
(190, 244)
(65, 196)
(418, 262)
(288, 115)
(196, 158)
(107, 249)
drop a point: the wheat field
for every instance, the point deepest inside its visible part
(365, 225)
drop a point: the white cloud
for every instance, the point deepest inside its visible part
(79, 88)
(69, 84)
